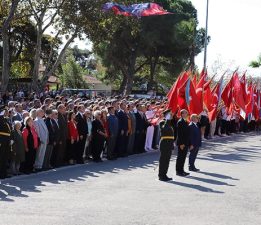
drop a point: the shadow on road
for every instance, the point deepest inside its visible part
(220, 150)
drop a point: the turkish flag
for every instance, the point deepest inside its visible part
(216, 96)
(188, 98)
(227, 94)
(194, 80)
(200, 86)
(250, 100)
(238, 92)
(207, 96)
(173, 94)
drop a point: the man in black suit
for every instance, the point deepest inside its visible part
(49, 150)
(122, 140)
(141, 126)
(62, 123)
(182, 143)
(194, 141)
(83, 132)
(56, 137)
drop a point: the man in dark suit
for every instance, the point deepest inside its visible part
(122, 140)
(141, 126)
(57, 138)
(83, 132)
(49, 150)
(62, 122)
(182, 143)
(194, 141)
(113, 125)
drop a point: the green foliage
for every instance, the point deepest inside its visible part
(256, 63)
(72, 74)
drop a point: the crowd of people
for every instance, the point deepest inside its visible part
(48, 131)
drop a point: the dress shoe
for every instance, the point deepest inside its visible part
(183, 174)
(194, 169)
(165, 179)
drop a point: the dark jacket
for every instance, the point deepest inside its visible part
(113, 125)
(51, 130)
(182, 132)
(62, 121)
(141, 123)
(194, 135)
(123, 121)
(81, 125)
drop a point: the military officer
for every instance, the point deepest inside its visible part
(166, 145)
(5, 141)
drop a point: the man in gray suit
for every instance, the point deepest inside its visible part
(43, 135)
(133, 128)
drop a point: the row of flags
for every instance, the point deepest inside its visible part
(136, 10)
(237, 96)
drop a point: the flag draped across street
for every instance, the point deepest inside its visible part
(137, 10)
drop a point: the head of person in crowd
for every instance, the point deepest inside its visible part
(49, 113)
(61, 109)
(39, 113)
(107, 104)
(25, 105)
(17, 125)
(81, 109)
(11, 113)
(168, 114)
(47, 102)
(37, 103)
(55, 114)
(131, 106)
(11, 104)
(104, 114)
(111, 110)
(25, 114)
(88, 113)
(115, 104)
(28, 122)
(184, 114)
(19, 108)
(3, 110)
(143, 108)
(194, 118)
(97, 114)
(123, 106)
(33, 114)
(71, 116)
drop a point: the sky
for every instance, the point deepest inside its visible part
(234, 28)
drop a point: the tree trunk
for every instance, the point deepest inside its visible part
(153, 64)
(50, 72)
(123, 83)
(6, 51)
(37, 57)
(6, 61)
(131, 73)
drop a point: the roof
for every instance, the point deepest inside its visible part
(92, 80)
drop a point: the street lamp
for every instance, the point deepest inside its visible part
(206, 39)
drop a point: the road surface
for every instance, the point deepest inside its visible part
(227, 191)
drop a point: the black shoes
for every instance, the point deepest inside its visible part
(165, 179)
(194, 169)
(183, 174)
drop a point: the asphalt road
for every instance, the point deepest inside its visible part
(126, 191)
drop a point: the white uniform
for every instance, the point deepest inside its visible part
(150, 131)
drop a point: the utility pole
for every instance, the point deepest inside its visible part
(206, 39)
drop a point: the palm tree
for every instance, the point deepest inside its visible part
(256, 63)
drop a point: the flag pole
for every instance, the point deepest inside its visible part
(206, 39)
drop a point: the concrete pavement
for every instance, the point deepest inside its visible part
(226, 191)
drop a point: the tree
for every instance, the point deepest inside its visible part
(47, 14)
(256, 63)
(72, 74)
(4, 30)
